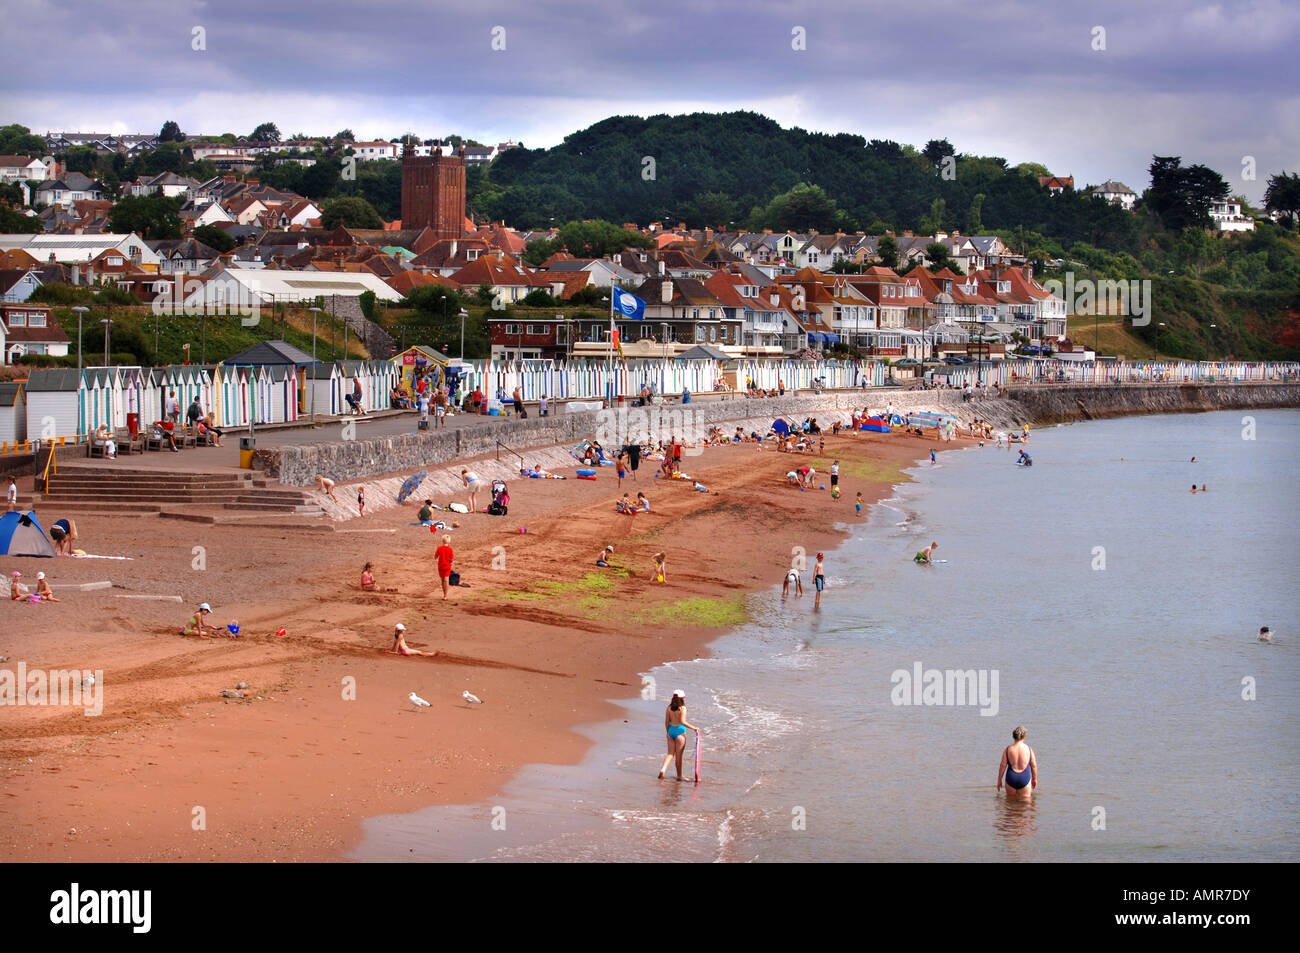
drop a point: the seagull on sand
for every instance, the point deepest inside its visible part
(419, 702)
(472, 699)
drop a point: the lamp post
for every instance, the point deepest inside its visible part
(108, 324)
(463, 315)
(80, 310)
(312, 408)
(1157, 344)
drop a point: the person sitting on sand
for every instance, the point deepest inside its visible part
(659, 559)
(326, 486)
(43, 589)
(399, 643)
(195, 626)
(642, 504)
(603, 559)
(367, 578)
(1020, 781)
(14, 591)
(625, 505)
(425, 516)
(925, 555)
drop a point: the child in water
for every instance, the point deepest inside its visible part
(857, 504)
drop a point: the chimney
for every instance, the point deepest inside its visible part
(618, 259)
(666, 291)
(661, 266)
(229, 177)
(776, 299)
(708, 234)
(454, 245)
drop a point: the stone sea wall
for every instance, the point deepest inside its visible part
(365, 458)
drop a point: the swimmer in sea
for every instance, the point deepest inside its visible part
(924, 555)
(1265, 635)
(1193, 489)
(1020, 781)
(676, 724)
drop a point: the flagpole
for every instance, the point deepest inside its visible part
(613, 290)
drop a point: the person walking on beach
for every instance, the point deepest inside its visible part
(675, 724)
(444, 555)
(835, 479)
(1021, 780)
(361, 501)
(422, 405)
(473, 484)
(621, 466)
(173, 408)
(857, 504)
(519, 402)
(819, 579)
(11, 495)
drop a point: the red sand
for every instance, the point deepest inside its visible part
(289, 773)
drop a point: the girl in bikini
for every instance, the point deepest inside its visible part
(367, 578)
(676, 724)
(399, 643)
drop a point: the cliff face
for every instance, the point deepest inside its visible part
(1061, 403)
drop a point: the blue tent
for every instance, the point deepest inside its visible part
(781, 427)
(21, 535)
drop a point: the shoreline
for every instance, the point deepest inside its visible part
(305, 802)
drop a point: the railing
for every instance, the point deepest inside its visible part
(501, 446)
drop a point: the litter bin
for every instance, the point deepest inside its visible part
(246, 445)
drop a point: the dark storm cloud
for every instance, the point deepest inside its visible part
(1013, 78)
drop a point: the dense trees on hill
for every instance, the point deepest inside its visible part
(743, 170)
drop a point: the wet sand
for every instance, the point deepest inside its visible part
(173, 771)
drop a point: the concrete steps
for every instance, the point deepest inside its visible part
(181, 495)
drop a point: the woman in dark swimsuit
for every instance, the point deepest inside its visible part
(633, 451)
(1020, 781)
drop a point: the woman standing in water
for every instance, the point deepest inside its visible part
(1020, 781)
(676, 724)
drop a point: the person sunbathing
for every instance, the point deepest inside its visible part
(399, 643)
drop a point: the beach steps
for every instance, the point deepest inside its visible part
(116, 491)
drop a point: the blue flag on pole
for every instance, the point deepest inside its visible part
(627, 305)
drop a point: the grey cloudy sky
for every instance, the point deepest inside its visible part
(1212, 82)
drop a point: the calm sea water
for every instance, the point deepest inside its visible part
(1130, 679)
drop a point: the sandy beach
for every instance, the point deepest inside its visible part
(327, 736)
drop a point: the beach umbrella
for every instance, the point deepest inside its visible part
(411, 485)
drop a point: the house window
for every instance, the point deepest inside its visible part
(115, 263)
(562, 334)
(514, 329)
(35, 319)
(17, 319)
(539, 329)
(471, 254)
